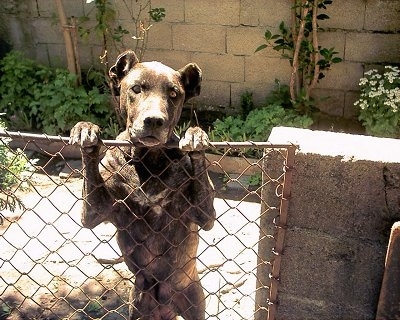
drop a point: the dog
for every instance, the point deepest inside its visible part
(157, 196)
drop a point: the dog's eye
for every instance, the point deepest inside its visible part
(173, 94)
(136, 89)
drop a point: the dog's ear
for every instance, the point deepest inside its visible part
(120, 69)
(191, 80)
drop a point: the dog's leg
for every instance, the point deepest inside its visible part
(195, 142)
(96, 198)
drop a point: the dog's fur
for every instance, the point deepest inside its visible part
(157, 197)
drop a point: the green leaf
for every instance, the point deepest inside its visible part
(322, 16)
(262, 47)
(267, 35)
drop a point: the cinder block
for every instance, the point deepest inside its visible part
(215, 93)
(174, 59)
(272, 12)
(382, 15)
(260, 91)
(44, 31)
(249, 15)
(42, 54)
(334, 40)
(57, 55)
(333, 245)
(174, 9)
(71, 8)
(199, 38)
(344, 14)
(226, 68)
(342, 76)
(373, 47)
(45, 8)
(245, 40)
(225, 12)
(160, 36)
(329, 101)
(350, 110)
(266, 70)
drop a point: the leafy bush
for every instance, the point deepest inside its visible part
(36, 97)
(12, 166)
(258, 124)
(379, 102)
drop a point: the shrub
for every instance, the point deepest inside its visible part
(13, 164)
(379, 102)
(36, 97)
(258, 124)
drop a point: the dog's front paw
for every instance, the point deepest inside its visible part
(85, 134)
(195, 139)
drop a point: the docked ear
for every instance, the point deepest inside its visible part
(191, 80)
(120, 69)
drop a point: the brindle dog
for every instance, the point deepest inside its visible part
(156, 196)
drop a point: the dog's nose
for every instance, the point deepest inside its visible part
(153, 122)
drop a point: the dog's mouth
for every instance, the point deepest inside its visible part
(149, 141)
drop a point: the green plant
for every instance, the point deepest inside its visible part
(35, 97)
(379, 102)
(258, 124)
(5, 311)
(299, 44)
(246, 103)
(20, 78)
(13, 165)
(59, 104)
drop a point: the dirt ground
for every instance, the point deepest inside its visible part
(52, 268)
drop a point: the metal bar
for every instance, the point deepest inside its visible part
(121, 143)
(281, 232)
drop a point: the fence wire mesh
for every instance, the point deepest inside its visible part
(53, 268)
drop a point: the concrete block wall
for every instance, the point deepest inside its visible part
(221, 36)
(344, 200)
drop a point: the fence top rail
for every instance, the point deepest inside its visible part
(120, 143)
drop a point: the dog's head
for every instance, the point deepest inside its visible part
(152, 96)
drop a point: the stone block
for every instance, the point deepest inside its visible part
(174, 59)
(45, 8)
(199, 38)
(266, 69)
(174, 9)
(225, 12)
(71, 8)
(214, 93)
(272, 13)
(350, 110)
(57, 55)
(343, 14)
(338, 224)
(245, 40)
(342, 76)
(260, 90)
(227, 68)
(373, 47)
(329, 101)
(44, 31)
(160, 36)
(335, 40)
(382, 15)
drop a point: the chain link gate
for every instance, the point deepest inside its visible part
(53, 268)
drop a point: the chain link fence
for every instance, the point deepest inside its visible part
(53, 268)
